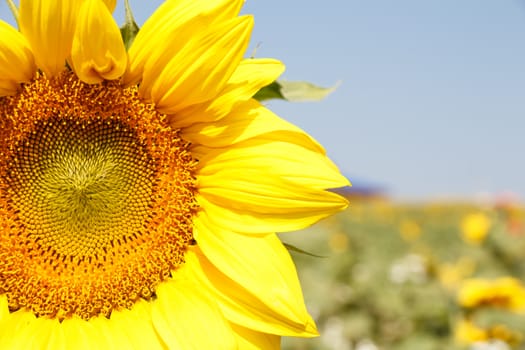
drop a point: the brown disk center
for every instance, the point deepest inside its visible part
(81, 186)
(96, 198)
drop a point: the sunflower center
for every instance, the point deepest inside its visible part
(82, 185)
(96, 198)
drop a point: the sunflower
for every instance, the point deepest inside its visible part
(505, 292)
(141, 189)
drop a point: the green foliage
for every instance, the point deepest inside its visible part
(295, 249)
(293, 91)
(383, 284)
(269, 92)
(129, 29)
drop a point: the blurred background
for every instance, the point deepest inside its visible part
(414, 276)
(428, 123)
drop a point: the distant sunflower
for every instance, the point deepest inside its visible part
(140, 191)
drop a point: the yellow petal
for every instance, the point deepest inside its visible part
(81, 335)
(39, 333)
(262, 266)
(57, 338)
(49, 25)
(16, 60)
(137, 327)
(98, 52)
(16, 329)
(199, 71)
(258, 186)
(110, 333)
(180, 312)
(4, 308)
(250, 222)
(6, 89)
(261, 193)
(248, 339)
(287, 161)
(111, 4)
(242, 307)
(250, 76)
(171, 26)
(248, 120)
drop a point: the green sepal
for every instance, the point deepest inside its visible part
(129, 29)
(293, 91)
(293, 248)
(272, 91)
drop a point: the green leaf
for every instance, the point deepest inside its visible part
(293, 248)
(293, 91)
(296, 91)
(130, 28)
(272, 91)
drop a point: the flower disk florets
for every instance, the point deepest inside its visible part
(96, 198)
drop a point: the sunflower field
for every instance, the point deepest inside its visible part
(431, 276)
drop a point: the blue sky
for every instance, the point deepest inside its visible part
(432, 101)
(433, 96)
